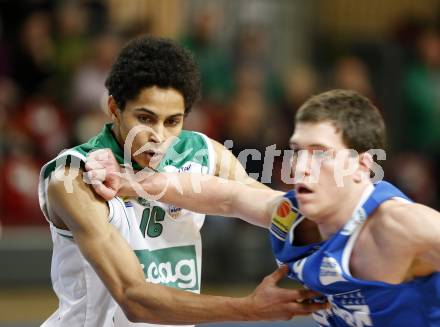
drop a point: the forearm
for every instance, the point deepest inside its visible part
(207, 194)
(195, 192)
(159, 304)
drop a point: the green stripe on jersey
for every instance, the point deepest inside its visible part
(189, 146)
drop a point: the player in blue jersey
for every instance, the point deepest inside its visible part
(373, 253)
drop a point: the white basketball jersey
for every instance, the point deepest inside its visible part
(165, 239)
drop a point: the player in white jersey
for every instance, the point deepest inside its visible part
(96, 275)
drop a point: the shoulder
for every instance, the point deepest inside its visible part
(407, 222)
(406, 213)
(192, 143)
(67, 190)
(66, 183)
(194, 138)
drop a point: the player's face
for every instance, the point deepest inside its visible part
(317, 188)
(154, 119)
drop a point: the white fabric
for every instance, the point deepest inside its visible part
(83, 299)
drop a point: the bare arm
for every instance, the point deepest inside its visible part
(424, 224)
(210, 195)
(410, 231)
(120, 271)
(253, 203)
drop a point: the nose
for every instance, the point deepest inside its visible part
(157, 134)
(301, 164)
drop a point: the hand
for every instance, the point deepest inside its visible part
(104, 173)
(269, 302)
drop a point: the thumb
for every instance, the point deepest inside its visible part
(105, 192)
(113, 181)
(278, 274)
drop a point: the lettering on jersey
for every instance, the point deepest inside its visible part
(350, 307)
(357, 219)
(175, 267)
(185, 168)
(189, 166)
(283, 218)
(174, 212)
(143, 202)
(330, 271)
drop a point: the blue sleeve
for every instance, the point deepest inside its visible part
(284, 216)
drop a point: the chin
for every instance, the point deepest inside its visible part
(309, 210)
(142, 161)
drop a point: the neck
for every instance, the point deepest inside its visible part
(332, 222)
(117, 136)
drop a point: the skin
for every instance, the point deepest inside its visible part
(328, 205)
(401, 238)
(162, 110)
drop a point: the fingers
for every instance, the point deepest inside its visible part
(103, 157)
(100, 155)
(297, 309)
(302, 295)
(105, 192)
(295, 295)
(93, 164)
(97, 175)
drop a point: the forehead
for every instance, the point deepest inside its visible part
(324, 134)
(161, 101)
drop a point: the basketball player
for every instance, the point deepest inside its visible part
(370, 250)
(98, 278)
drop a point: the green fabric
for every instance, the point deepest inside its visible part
(105, 139)
(189, 146)
(422, 100)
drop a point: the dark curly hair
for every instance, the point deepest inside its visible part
(150, 61)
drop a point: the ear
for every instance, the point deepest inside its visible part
(365, 163)
(113, 109)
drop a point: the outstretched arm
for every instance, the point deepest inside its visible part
(195, 192)
(210, 195)
(117, 266)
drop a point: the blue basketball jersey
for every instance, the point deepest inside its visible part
(324, 267)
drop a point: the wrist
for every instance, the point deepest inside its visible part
(247, 309)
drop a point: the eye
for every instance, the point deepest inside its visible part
(172, 121)
(145, 119)
(320, 154)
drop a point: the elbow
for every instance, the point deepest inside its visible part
(134, 308)
(228, 203)
(132, 311)
(226, 207)
(133, 316)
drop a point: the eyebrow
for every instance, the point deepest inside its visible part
(314, 145)
(147, 111)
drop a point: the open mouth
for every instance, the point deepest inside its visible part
(153, 153)
(301, 189)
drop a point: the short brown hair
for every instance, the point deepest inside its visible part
(360, 122)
